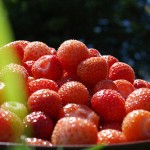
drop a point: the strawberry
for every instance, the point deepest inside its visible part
(138, 99)
(38, 124)
(42, 83)
(120, 70)
(71, 53)
(73, 92)
(139, 83)
(47, 66)
(136, 125)
(109, 104)
(104, 84)
(148, 84)
(111, 136)
(79, 110)
(74, 131)
(92, 70)
(45, 100)
(28, 66)
(34, 50)
(110, 60)
(11, 127)
(124, 87)
(37, 142)
(94, 52)
(53, 51)
(30, 78)
(16, 48)
(67, 76)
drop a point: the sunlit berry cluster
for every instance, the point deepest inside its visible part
(72, 95)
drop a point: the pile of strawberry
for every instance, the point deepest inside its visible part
(72, 96)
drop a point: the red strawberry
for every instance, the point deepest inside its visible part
(30, 78)
(94, 52)
(120, 70)
(110, 60)
(71, 53)
(16, 47)
(109, 104)
(11, 127)
(34, 50)
(124, 87)
(28, 66)
(53, 51)
(74, 131)
(48, 66)
(37, 142)
(136, 125)
(92, 70)
(73, 92)
(79, 110)
(104, 84)
(138, 99)
(111, 136)
(38, 125)
(67, 76)
(148, 84)
(45, 100)
(140, 83)
(42, 83)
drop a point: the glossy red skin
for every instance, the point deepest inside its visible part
(120, 70)
(34, 50)
(138, 99)
(39, 124)
(6, 132)
(109, 105)
(73, 92)
(104, 84)
(71, 53)
(136, 125)
(79, 110)
(11, 127)
(28, 65)
(124, 87)
(45, 100)
(67, 76)
(53, 51)
(110, 60)
(111, 136)
(94, 52)
(139, 83)
(92, 70)
(74, 131)
(47, 66)
(42, 83)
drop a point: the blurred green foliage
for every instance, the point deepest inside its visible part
(117, 27)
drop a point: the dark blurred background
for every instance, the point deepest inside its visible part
(117, 27)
